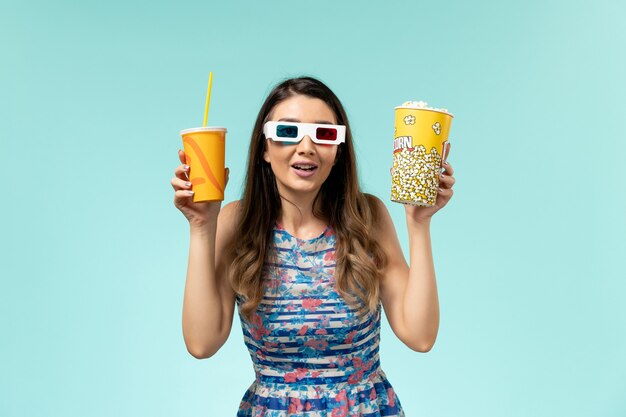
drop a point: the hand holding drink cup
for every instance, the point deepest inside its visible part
(202, 176)
(204, 154)
(198, 214)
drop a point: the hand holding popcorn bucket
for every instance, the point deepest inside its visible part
(420, 140)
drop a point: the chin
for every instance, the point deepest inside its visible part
(300, 188)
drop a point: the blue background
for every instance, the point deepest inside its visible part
(529, 253)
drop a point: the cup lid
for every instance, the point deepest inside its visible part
(203, 129)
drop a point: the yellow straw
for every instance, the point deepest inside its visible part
(208, 99)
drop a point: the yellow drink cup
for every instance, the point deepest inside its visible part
(205, 151)
(420, 140)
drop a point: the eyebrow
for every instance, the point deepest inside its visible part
(319, 122)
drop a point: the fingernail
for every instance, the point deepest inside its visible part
(185, 167)
(440, 189)
(445, 163)
(188, 184)
(190, 192)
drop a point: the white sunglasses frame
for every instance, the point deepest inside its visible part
(304, 129)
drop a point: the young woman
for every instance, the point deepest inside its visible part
(308, 259)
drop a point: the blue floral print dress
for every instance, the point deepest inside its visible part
(312, 354)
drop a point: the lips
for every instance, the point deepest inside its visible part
(305, 167)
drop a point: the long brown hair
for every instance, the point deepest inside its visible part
(351, 213)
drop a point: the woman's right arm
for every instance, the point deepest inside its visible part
(208, 299)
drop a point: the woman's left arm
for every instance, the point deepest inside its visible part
(409, 294)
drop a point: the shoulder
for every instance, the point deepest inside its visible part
(377, 208)
(230, 214)
(227, 223)
(373, 201)
(231, 211)
(382, 227)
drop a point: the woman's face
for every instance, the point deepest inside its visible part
(284, 156)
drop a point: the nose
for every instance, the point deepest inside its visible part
(306, 146)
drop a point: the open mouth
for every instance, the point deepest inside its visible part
(304, 167)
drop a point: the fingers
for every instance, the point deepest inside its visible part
(181, 184)
(182, 171)
(444, 163)
(178, 182)
(446, 180)
(182, 194)
(445, 192)
(182, 191)
(446, 151)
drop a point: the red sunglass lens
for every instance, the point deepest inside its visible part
(326, 133)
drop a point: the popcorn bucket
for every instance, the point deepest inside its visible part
(420, 138)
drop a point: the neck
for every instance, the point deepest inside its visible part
(296, 215)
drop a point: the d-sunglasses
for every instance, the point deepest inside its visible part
(294, 132)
